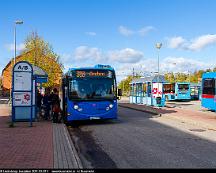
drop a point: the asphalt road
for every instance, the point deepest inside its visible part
(135, 141)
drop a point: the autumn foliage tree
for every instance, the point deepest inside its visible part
(41, 54)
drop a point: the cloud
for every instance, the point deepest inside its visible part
(91, 33)
(145, 30)
(87, 53)
(169, 64)
(142, 32)
(202, 42)
(176, 42)
(19, 47)
(183, 64)
(66, 58)
(124, 60)
(125, 31)
(195, 44)
(126, 55)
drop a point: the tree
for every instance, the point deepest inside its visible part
(125, 84)
(42, 55)
(170, 77)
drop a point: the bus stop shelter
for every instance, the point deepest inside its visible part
(40, 76)
(146, 90)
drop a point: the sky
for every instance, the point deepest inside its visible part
(121, 33)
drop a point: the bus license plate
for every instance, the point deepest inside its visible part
(94, 118)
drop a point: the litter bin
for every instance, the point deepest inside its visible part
(158, 101)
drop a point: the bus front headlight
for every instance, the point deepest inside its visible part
(76, 107)
(111, 106)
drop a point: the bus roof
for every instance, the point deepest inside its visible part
(98, 66)
(209, 75)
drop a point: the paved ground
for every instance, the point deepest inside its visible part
(190, 112)
(45, 145)
(25, 147)
(140, 140)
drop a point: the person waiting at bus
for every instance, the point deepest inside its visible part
(55, 105)
(39, 99)
(47, 103)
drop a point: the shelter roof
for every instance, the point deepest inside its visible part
(150, 79)
(37, 71)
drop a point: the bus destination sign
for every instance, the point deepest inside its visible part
(83, 74)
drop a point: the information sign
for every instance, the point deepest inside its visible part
(22, 92)
(22, 99)
(22, 81)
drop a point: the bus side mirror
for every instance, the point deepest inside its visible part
(119, 92)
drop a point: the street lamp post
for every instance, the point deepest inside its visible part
(17, 22)
(158, 46)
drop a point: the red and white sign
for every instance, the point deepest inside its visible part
(157, 91)
(22, 98)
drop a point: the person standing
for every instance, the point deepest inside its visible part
(55, 105)
(46, 103)
(39, 99)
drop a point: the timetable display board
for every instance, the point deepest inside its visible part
(22, 81)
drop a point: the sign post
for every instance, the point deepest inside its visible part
(22, 92)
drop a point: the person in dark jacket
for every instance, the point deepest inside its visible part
(55, 105)
(47, 103)
(39, 99)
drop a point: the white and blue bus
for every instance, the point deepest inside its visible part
(90, 93)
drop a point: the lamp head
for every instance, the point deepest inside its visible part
(158, 45)
(19, 22)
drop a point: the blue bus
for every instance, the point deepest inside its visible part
(177, 91)
(209, 91)
(90, 93)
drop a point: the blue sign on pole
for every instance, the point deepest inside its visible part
(22, 92)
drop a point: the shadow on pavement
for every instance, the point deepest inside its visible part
(148, 109)
(76, 124)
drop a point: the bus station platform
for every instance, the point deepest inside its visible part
(46, 145)
(200, 117)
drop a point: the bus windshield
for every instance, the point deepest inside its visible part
(92, 89)
(183, 87)
(209, 86)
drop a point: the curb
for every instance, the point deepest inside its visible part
(72, 148)
(154, 112)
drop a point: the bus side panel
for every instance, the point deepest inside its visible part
(209, 103)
